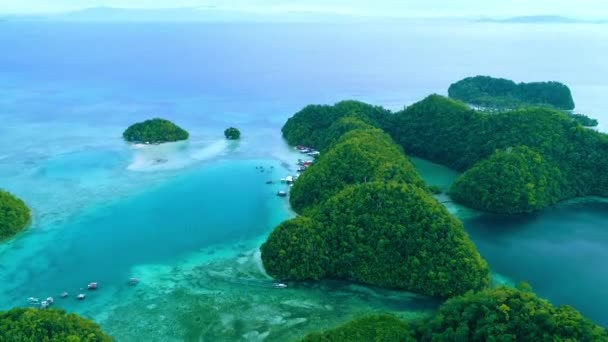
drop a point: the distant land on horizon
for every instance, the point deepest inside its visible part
(542, 19)
(214, 14)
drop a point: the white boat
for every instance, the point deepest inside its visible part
(44, 304)
(81, 296)
(50, 300)
(33, 300)
(133, 281)
(63, 294)
(282, 193)
(279, 285)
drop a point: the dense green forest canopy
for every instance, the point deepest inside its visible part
(373, 328)
(505, 314)
(311, 125)
(500, 314)
(359, 156)
(232, 133)
(50, 325)
(380, 233)
(448, 132)
(514, 180)
(493, 92)
(14, 215)
(584, 120)
(154, 131)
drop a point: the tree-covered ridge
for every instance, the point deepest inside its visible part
(373, 328)
(500, 314)
(34, 325)
(514, 180)
(310, 125)
(387, 234)
(493, 92)
(448, 132)
(359, 156)
(14, 215)
(505, 314)
(154, 131)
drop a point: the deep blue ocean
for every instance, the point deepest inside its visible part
(189, 227)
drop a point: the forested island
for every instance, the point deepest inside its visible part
(232, 133)
(490, 92)
(499, 94)
(569, 160)
(21, 324)
(366, 216)
(14, 215)
(499, 314)
(154, 131)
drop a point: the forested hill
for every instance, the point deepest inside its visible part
(451, 133)
(493, 92)
(499, 314)
(448, 132)
(367, 217)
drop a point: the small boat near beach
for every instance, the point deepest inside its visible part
(33, 300)
(279, 285)
(92, 286)
(44, 304)
(133, 281)
(282, 193)
(63, 294)
(81, 296)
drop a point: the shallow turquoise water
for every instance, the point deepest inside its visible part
(190, 226)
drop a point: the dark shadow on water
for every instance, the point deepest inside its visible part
(560, 251)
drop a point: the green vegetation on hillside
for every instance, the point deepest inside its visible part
(493, 92)
(359, 156)
(373, 328)
(500, 314)
(34, 325)
(387, 234)
(311, 125)
(14, 215)
(584, 120)
(154, 131)
(514, 180)
(505, 314)
(448, 132)
(232, 133)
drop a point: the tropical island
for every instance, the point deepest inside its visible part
(232, 133)
(366, 216)
(499, 94)
(14, 215)
(563, 159)
(490, 92)
(499, 314)
(154, 131)
(21, 324)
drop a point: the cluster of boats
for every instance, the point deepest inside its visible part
(81, 296)
(302, 166)
(308, 151)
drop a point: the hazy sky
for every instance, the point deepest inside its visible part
(496, 8)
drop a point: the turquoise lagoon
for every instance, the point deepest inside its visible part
(187, 218)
